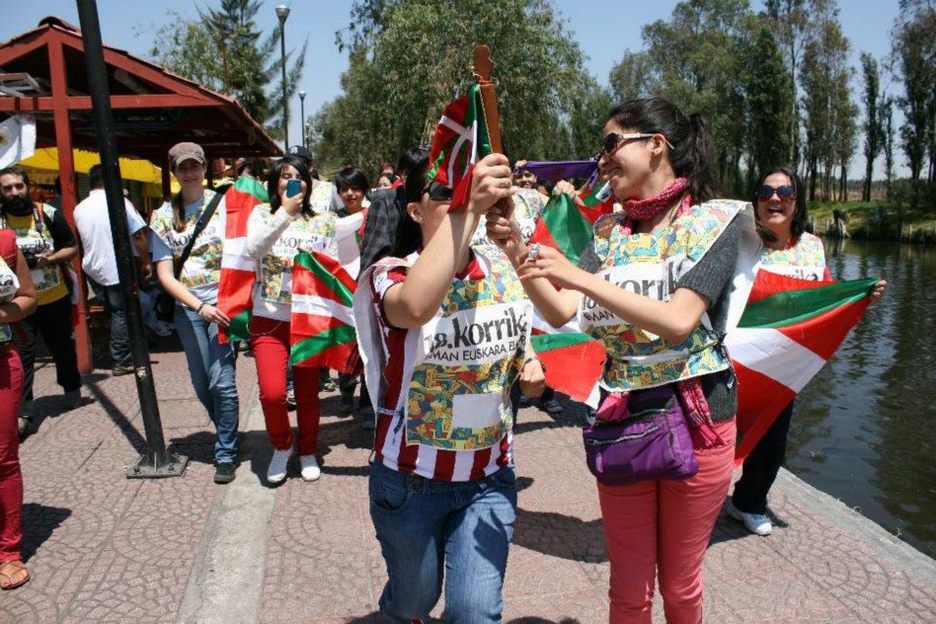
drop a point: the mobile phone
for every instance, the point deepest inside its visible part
(293, 187)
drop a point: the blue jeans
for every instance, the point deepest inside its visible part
(211, 366)
(433, 530)
(113, 301)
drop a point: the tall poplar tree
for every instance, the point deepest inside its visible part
(873, 132)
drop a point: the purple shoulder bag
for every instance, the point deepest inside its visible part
(652, 443)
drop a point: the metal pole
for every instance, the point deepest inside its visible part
(282, 12)
(302, 95)
(156, 462)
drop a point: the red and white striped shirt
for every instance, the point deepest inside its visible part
(390, 439)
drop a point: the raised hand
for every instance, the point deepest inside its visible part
(491, 183)
(543, 261)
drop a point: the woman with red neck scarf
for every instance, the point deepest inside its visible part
(653, 287)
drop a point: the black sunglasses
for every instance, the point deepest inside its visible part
(613, 140)
(783, 192)
(438, 192)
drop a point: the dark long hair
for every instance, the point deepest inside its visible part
(800, 214)
(691, 155)
(273, 177)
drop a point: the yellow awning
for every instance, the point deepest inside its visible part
(130, 169)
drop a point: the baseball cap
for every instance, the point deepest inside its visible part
(180, 152)
(302, 152)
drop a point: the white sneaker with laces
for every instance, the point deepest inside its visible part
(310, 468)
(759, 524)
(276, 471)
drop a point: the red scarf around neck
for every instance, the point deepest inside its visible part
(644, 209)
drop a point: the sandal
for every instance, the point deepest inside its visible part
(13, 574)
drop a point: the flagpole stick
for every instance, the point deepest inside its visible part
(483, 65)
(482, 68)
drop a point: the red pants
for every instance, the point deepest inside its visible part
(664, 527)
(11, 479)
(269, 340)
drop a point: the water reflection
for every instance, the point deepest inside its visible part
(864, 430)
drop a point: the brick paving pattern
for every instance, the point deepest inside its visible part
(102, 548)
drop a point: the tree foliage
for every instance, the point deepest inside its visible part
(914, 49)
(829, 112)
(414, 56)
(873, 129)
(769, 111)
(225, 51)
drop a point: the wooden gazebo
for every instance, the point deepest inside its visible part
(153, 109)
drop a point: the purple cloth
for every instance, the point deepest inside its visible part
(561, 169)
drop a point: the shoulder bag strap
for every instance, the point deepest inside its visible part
(203, 220)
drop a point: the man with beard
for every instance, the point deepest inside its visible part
(48, 244)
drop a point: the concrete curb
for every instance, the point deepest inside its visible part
(887, 546)
(226, 581)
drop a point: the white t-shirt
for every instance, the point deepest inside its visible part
(94, 229)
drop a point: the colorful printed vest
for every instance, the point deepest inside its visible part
(33, 237)
(651, 265)
(465, 361)
(303, 234)
(321, 199)
(204, 264)
(805, 260)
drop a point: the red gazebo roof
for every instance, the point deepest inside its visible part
(153, 107)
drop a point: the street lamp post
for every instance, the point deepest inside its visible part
(282, 12)
(302, 95)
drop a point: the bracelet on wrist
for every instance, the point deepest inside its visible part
(198, 311)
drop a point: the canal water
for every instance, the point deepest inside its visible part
(864, 429)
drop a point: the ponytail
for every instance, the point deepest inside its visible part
(701, 157)
(178, 213)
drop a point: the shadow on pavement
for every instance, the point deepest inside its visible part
(136, 440)
(39, 522)
(53, 405)
(561, 536)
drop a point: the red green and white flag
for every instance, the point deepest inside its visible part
(322, 322)
(565, 226)
(788, 331)
(461, 140)
(238, 272)
(573, 362)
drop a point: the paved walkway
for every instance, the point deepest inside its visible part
(102, 548)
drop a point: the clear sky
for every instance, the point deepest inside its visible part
(603, 28)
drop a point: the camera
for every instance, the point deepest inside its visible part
(31, 249)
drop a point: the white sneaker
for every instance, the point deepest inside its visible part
(310, 468)
(276, 471)
(759, 524)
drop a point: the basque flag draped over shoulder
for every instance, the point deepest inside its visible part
(788, 331)
(238, 272)
(461, 139)
(321, 322)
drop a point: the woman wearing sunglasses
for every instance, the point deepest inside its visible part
(276, 232)
(443, 331)
(652, 287)
(788, 250)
